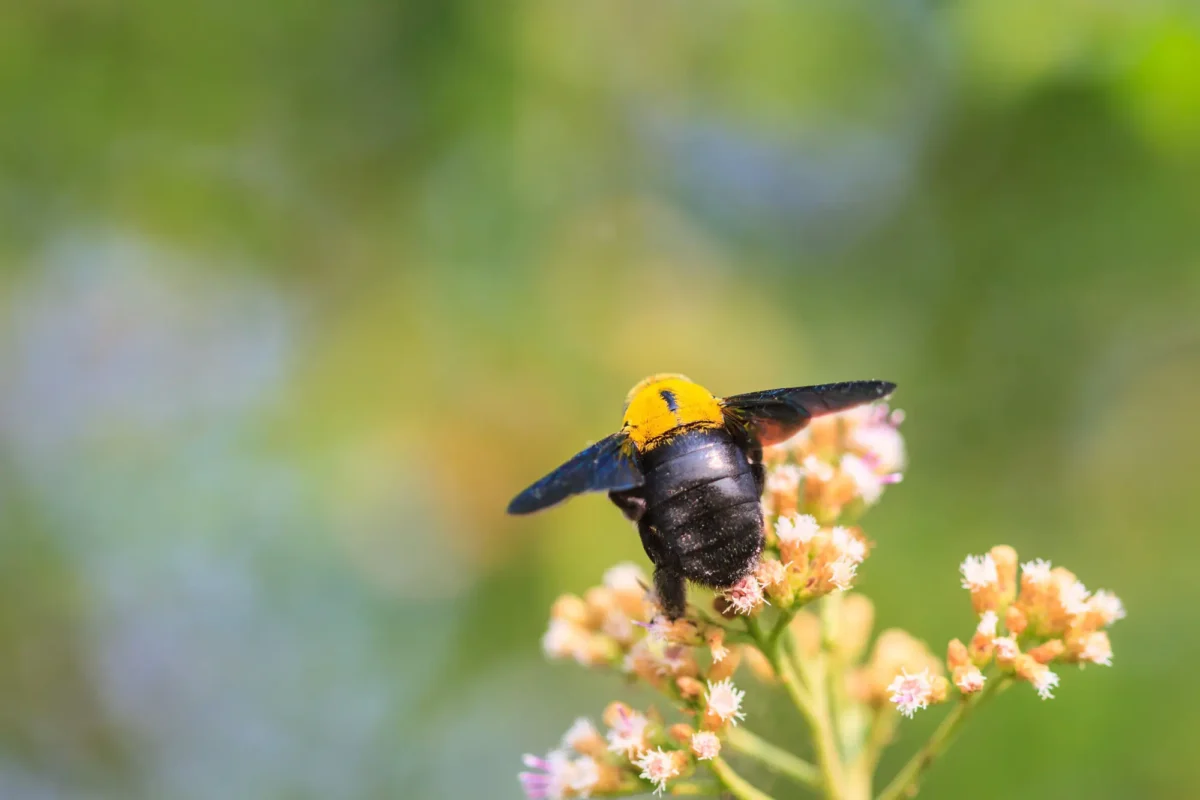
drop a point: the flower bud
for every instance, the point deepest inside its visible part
(1006, 651)
(573, 609)
(939, 689)
(981, 649)
(728, 665)
(1048, 651)
(1005, 559)
(956, 655)
(1014, 620)
(681, 732)
(689, 687)
(854, 627)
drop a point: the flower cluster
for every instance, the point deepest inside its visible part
(637, 749)
(837, 466)
(850, 692)
(1047, 616)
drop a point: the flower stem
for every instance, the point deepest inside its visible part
(774, 758)
(811, 698)
(735, 784)
(907, 780)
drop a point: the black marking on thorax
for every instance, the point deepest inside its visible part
(669, 398)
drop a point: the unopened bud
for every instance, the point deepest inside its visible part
(720, 670)
(956, 655)
(1015, 621)
(1048, 651)
(939, 688)
(1005, 559)
(681, 732)
(689, 687)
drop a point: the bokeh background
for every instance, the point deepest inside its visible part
(294, 296)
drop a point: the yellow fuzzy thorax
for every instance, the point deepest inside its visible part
(662, 403)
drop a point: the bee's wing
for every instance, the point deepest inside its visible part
(776, 414)
(608, 465)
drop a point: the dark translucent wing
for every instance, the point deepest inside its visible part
(608, 465)
(776, 414)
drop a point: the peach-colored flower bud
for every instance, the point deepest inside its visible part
(728, 665)
(1047, 651)
(981, 649)
(615, 712)
(583, 738)
(1014, 620)
(854, 626)
(689, 687)
(968, 679)
(939, 689)
(714, 637)
(573, 609)
(806, 631)
(956, 655)
(1005, 559)
(681, 732)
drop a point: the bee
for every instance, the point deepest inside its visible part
(686, 468)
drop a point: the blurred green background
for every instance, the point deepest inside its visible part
(294, 296)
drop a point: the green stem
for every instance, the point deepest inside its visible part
(814, 705)
(735, 784)
(907, 780)
(774, 758)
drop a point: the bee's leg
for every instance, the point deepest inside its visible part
(631, 502)
(672, 592)
(755, 455)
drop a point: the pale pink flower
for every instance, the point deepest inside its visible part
(557, 774)
(911, 693)
(969, 680)
(881, 441)
(725, 700)
(706, 745)
(771, 572)
(562, 639)
(628, 735)
(1107, 605)
(868, 482)
(746, 595)
(796, 528)
(987, 624)
(841, 572)
(719, 651)
(979, 572)
(658, 767)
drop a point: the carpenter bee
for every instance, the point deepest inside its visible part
(686, 468)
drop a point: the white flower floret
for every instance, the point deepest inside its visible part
(979, 572)
(797, 528)
(1044, 681)
(562, 639)
(1006, 648)
(987, 624)
(725, 701)
(784, 479)
(1073, 596)
(1036, 572)
(818, 469)
(580, 731)
(658, 767)
(628, 735)
(706, 745)
(911, 693)
(1097, 649)
(841, 572)
(969, 680)
(1107, 605)
(848, 545)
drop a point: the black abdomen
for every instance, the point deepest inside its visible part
(703, 515)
